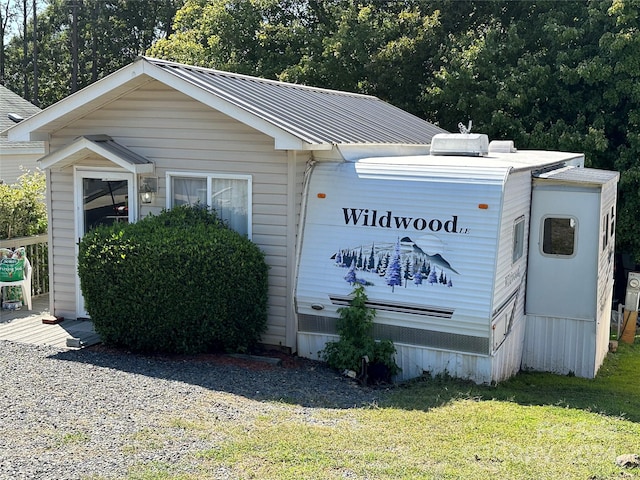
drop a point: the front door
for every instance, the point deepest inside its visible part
(102, 198)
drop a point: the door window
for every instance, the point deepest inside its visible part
(104, 202)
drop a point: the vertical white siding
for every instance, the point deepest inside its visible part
(179, 134)
(62, 268)
(560, 345)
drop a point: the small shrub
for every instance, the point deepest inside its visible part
(355, 327)
(179, 282)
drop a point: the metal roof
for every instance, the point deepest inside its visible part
(315, 115)
(587, 176)
(102, 145)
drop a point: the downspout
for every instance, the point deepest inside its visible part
(303, 214)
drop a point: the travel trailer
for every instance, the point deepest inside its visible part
(479, 259)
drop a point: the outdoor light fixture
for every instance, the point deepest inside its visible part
(148, 186)
(145, 197)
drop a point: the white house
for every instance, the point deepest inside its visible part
(165, 133)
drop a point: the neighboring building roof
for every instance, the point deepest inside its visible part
(12, 104)
(296, 116)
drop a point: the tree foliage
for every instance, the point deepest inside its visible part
(105, 36)
(546, 74)
(23, 210)
(356, 342)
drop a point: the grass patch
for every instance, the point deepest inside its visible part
(534, 426)
(156, 471)
(74, 437)
(614, 392)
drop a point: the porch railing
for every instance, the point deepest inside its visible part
(37, 248)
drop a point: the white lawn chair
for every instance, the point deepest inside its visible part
(25, 284)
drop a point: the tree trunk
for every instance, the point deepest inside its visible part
(35, 100)
(25, 51)
(74, 46)
(4, 17)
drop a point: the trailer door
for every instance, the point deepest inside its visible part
(566, 248)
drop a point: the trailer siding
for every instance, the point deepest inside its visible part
(507, 321)
(471, 253)
(604, 295)
(348, 190)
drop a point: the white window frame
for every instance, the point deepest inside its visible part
(208, 176)
(576, 231)
(518, 239)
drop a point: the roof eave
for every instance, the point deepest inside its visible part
(81, 148)
(41, 125)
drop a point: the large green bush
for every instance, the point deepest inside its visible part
(179, 282)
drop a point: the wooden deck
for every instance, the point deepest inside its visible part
(24, 326)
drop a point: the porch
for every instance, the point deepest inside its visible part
(24, 326)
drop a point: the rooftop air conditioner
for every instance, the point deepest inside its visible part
(466, 144)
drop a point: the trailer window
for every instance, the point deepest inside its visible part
(613, 220)
(228, 195)
(518, 239)
(559, 235)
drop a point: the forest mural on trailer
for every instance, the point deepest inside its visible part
(400, 264)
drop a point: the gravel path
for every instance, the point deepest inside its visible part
(97, 413)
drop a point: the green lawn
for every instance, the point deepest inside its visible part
(534, 426)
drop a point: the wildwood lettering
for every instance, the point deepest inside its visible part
(372, 218)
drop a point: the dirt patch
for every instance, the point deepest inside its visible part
(263, 360)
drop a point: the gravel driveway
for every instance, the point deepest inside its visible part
(95, 412)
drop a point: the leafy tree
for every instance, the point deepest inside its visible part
(80, 41)
(546, 74)
(549, 75)
(22, 207)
